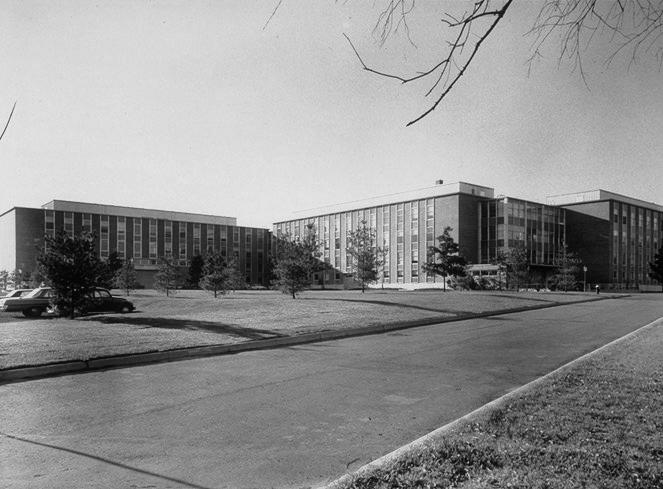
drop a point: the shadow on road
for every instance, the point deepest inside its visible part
(187, 325)
(390, 304)
(107, 461)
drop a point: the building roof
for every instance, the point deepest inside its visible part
(406, 196)
(598, 195)
(115, 210)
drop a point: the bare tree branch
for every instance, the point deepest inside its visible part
(454, 63)
(632, 28)
(7, 124)
(273, 14)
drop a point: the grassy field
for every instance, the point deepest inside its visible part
(598, 425)
(195, 318)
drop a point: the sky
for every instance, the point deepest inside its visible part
(206, 107)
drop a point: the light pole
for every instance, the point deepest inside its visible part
(584, 279)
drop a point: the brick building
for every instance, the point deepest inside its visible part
(141, 235)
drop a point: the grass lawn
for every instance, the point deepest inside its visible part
(598, 425)
(195, 318)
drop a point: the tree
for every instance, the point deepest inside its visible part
(445, 259)
(631, 26)
(567, 267)
(4, 279)
(108, 272)
(71, 267)
(656, 267)
(126, 277)
(365, 256)
(236, 279)
(514, 264)
(195, 271)
(215, 274)
(294, 264)
(168, 277)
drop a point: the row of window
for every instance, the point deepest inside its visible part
(331, 228)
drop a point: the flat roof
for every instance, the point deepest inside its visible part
(598, 195)
(398, 197)
(116, 210)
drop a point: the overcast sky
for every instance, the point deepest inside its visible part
(193, 106)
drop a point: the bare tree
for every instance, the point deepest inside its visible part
(633, 26)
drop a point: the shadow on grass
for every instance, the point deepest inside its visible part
(390, 304)
(187, 325)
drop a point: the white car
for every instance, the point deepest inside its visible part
(13, 294)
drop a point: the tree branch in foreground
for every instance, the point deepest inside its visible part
(7, 124)
(453, 65)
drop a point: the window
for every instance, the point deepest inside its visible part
(49, 223)
(69, 224)
(182, 240)
(121, 237)
(87, 223)
(153, 238)
(196, 238)
(210, 238)
(138, 238)
(103, 233)
(168, 238)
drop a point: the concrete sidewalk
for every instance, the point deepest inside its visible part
(100, 362)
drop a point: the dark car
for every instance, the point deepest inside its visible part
(101, 300)
(39, 300)
(32, 304)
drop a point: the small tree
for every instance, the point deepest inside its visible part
(72, 267)
(4, 279)
(126, 277)
(35, 279)
(567, 267)
(656, 267)
(108, 272)
(195, 271)
(365, 256)
(445, 259)
(168, 277)
(293, 265)
(215, 274)
(236, 280)
(514, 264)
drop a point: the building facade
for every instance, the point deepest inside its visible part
(140, 235)
(405, 224)
(616, 236)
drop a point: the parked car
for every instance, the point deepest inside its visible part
(12, 294)
(32, 304)
(101, 300)
(39, 300)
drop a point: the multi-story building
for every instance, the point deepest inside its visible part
(407, 224)
(616, 236)
(141, 235)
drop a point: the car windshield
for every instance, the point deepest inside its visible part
(35, 293)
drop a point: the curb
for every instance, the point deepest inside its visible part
(386, 460)
(146, 358)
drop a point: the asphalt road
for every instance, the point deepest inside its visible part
(293, 417)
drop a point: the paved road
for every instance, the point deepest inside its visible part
(294, 417)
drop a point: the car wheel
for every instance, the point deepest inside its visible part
(33, 312)
(125, 308)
